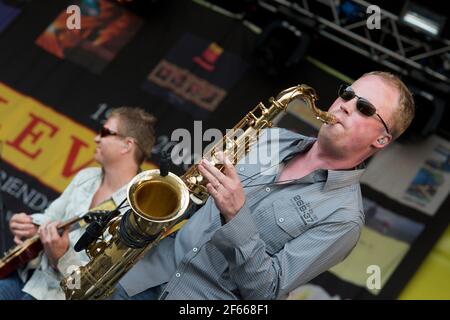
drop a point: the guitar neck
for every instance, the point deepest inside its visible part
(70, 222)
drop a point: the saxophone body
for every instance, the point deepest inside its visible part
(159, 202)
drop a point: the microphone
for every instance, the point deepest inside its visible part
(94, 230)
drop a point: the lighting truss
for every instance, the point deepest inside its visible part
(394, 45)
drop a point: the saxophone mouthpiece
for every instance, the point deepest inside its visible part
(331, 119)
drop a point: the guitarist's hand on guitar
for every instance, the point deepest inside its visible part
(21, 227)
(55, 245)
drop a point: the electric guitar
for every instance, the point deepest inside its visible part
(28, 250)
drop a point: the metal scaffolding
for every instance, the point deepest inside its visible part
(394, 45)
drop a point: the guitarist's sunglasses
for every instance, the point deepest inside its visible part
(363, 105)
(106, 132)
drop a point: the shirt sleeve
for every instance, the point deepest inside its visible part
(56, 211)
(57, 208)
(71, 260)
(261, 276)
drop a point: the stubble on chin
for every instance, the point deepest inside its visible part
(332, 142)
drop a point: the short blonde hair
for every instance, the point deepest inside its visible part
(404, 113)
(138, 124)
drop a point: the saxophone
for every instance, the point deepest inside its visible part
(159, 202)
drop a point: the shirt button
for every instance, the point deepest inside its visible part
(195, 249)
(281, 220)
(268, 189)
(241, 169)
(177, 274)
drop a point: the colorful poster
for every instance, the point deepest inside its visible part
(104, 29)
(384, 241)
(417, 175)
(7, 15)
(195, 75)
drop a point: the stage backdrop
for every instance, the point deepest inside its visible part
(183, 62)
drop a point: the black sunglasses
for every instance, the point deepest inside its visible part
(105, 132)
(363, 105)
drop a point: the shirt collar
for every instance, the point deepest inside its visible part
(90, 187)
(333, 179)
(304, 143)
(342, 178)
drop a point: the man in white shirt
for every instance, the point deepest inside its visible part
(123, 143)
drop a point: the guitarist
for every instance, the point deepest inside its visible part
(123, 143)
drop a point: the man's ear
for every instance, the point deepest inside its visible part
(382, 141)
(127, 145)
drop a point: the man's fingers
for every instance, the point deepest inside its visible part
(229, 169)
(17, 240)
(43, 232)
(21, 218)
(22, 233)
(66, 230)
(206, 173)
(53, 232)
(213, 192)
(22, 226)
(213, 170)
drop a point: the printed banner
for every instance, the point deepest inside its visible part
(385, 240)
(417, 175)
(195, 76)
(105, 28)
(45, 144)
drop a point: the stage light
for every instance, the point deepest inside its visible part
(422, 19)
(280, 47)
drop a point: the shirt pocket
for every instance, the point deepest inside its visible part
(278, 224)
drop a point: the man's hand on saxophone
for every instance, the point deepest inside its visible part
(225, 188)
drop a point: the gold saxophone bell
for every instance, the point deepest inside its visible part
(159, 202)
(157, 198)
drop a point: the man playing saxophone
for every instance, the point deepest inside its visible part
(263, 233)
(123, 143)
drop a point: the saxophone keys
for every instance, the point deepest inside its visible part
(192, 180)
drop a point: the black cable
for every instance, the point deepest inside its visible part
(131, 236)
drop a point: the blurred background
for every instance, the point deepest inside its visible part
(213, 61)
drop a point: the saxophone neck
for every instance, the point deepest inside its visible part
(302, 91)
(307, 94)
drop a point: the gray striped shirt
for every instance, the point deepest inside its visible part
(284, 236)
